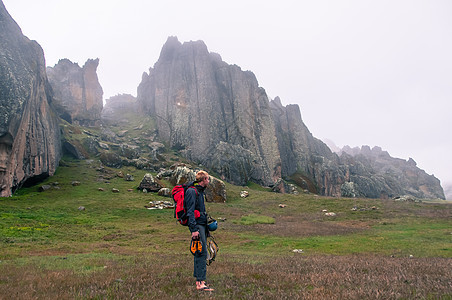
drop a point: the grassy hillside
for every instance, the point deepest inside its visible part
(115, 248)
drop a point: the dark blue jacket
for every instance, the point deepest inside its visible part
(194, 202)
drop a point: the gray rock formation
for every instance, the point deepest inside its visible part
(118, 106)
(200, 101)
(304, 154)
(150, 184)
(29, 132)
(179, 174)
(358, 172)
(78, 94)
(217, 115)
(376, 174)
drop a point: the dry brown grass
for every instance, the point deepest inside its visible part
(291, 277)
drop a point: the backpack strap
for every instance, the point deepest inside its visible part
(194, 187)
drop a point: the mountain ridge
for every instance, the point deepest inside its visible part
(211, 113)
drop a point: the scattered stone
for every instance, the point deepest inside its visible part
(122, 133)
(297, 250)
(324, 210)
(164, 174)
(45, 187)
(244, 194)
(406, 198)
(282, 205)
(100, 189)
(159, 205)
(145, 191)
(283, 187)
(129, 177)
(111, 159)
(165, 192)
(120, 174)
(221, 219)
(75, 183)
(104, 146)
(81, 208)
(330, 214)
(411, 256)
(114, 190)
(150, 184)
(355, 208)
(130, 190)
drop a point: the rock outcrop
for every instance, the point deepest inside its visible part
(180, 174)
(118, 106)
(216, 114)
(378, 175)
(77, 92)
(357, 172)
(29, 131)
(302, 153)
(210, 110)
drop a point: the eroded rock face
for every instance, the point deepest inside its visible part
(77, 92)
(117, 106)
(301, 152)
(378, 175)
(29, 132)
(357, 172)
(200, 101)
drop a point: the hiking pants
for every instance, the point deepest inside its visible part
(199, 269)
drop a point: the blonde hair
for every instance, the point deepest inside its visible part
(201, 175)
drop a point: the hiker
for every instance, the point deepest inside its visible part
(194, 200)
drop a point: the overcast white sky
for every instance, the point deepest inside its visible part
(375, 73)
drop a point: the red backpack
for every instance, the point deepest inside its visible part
(178, 195)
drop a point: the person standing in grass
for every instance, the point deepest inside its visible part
(194, 200)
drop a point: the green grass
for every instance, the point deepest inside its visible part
(115, 237)
(254, 219)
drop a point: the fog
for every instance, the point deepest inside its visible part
(375, 73)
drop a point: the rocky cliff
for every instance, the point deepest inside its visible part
(317, 168)
(118, 106)
(29, 132)
(77, 92)
(217, 115)
(376, 174)
(214, 113)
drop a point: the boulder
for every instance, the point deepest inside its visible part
(244, 194)
(150, 184)
(111, 159)
(216, 191)
(73, 150)
(165, 192)
(281, 186)
(182, 174)
(44, 187)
